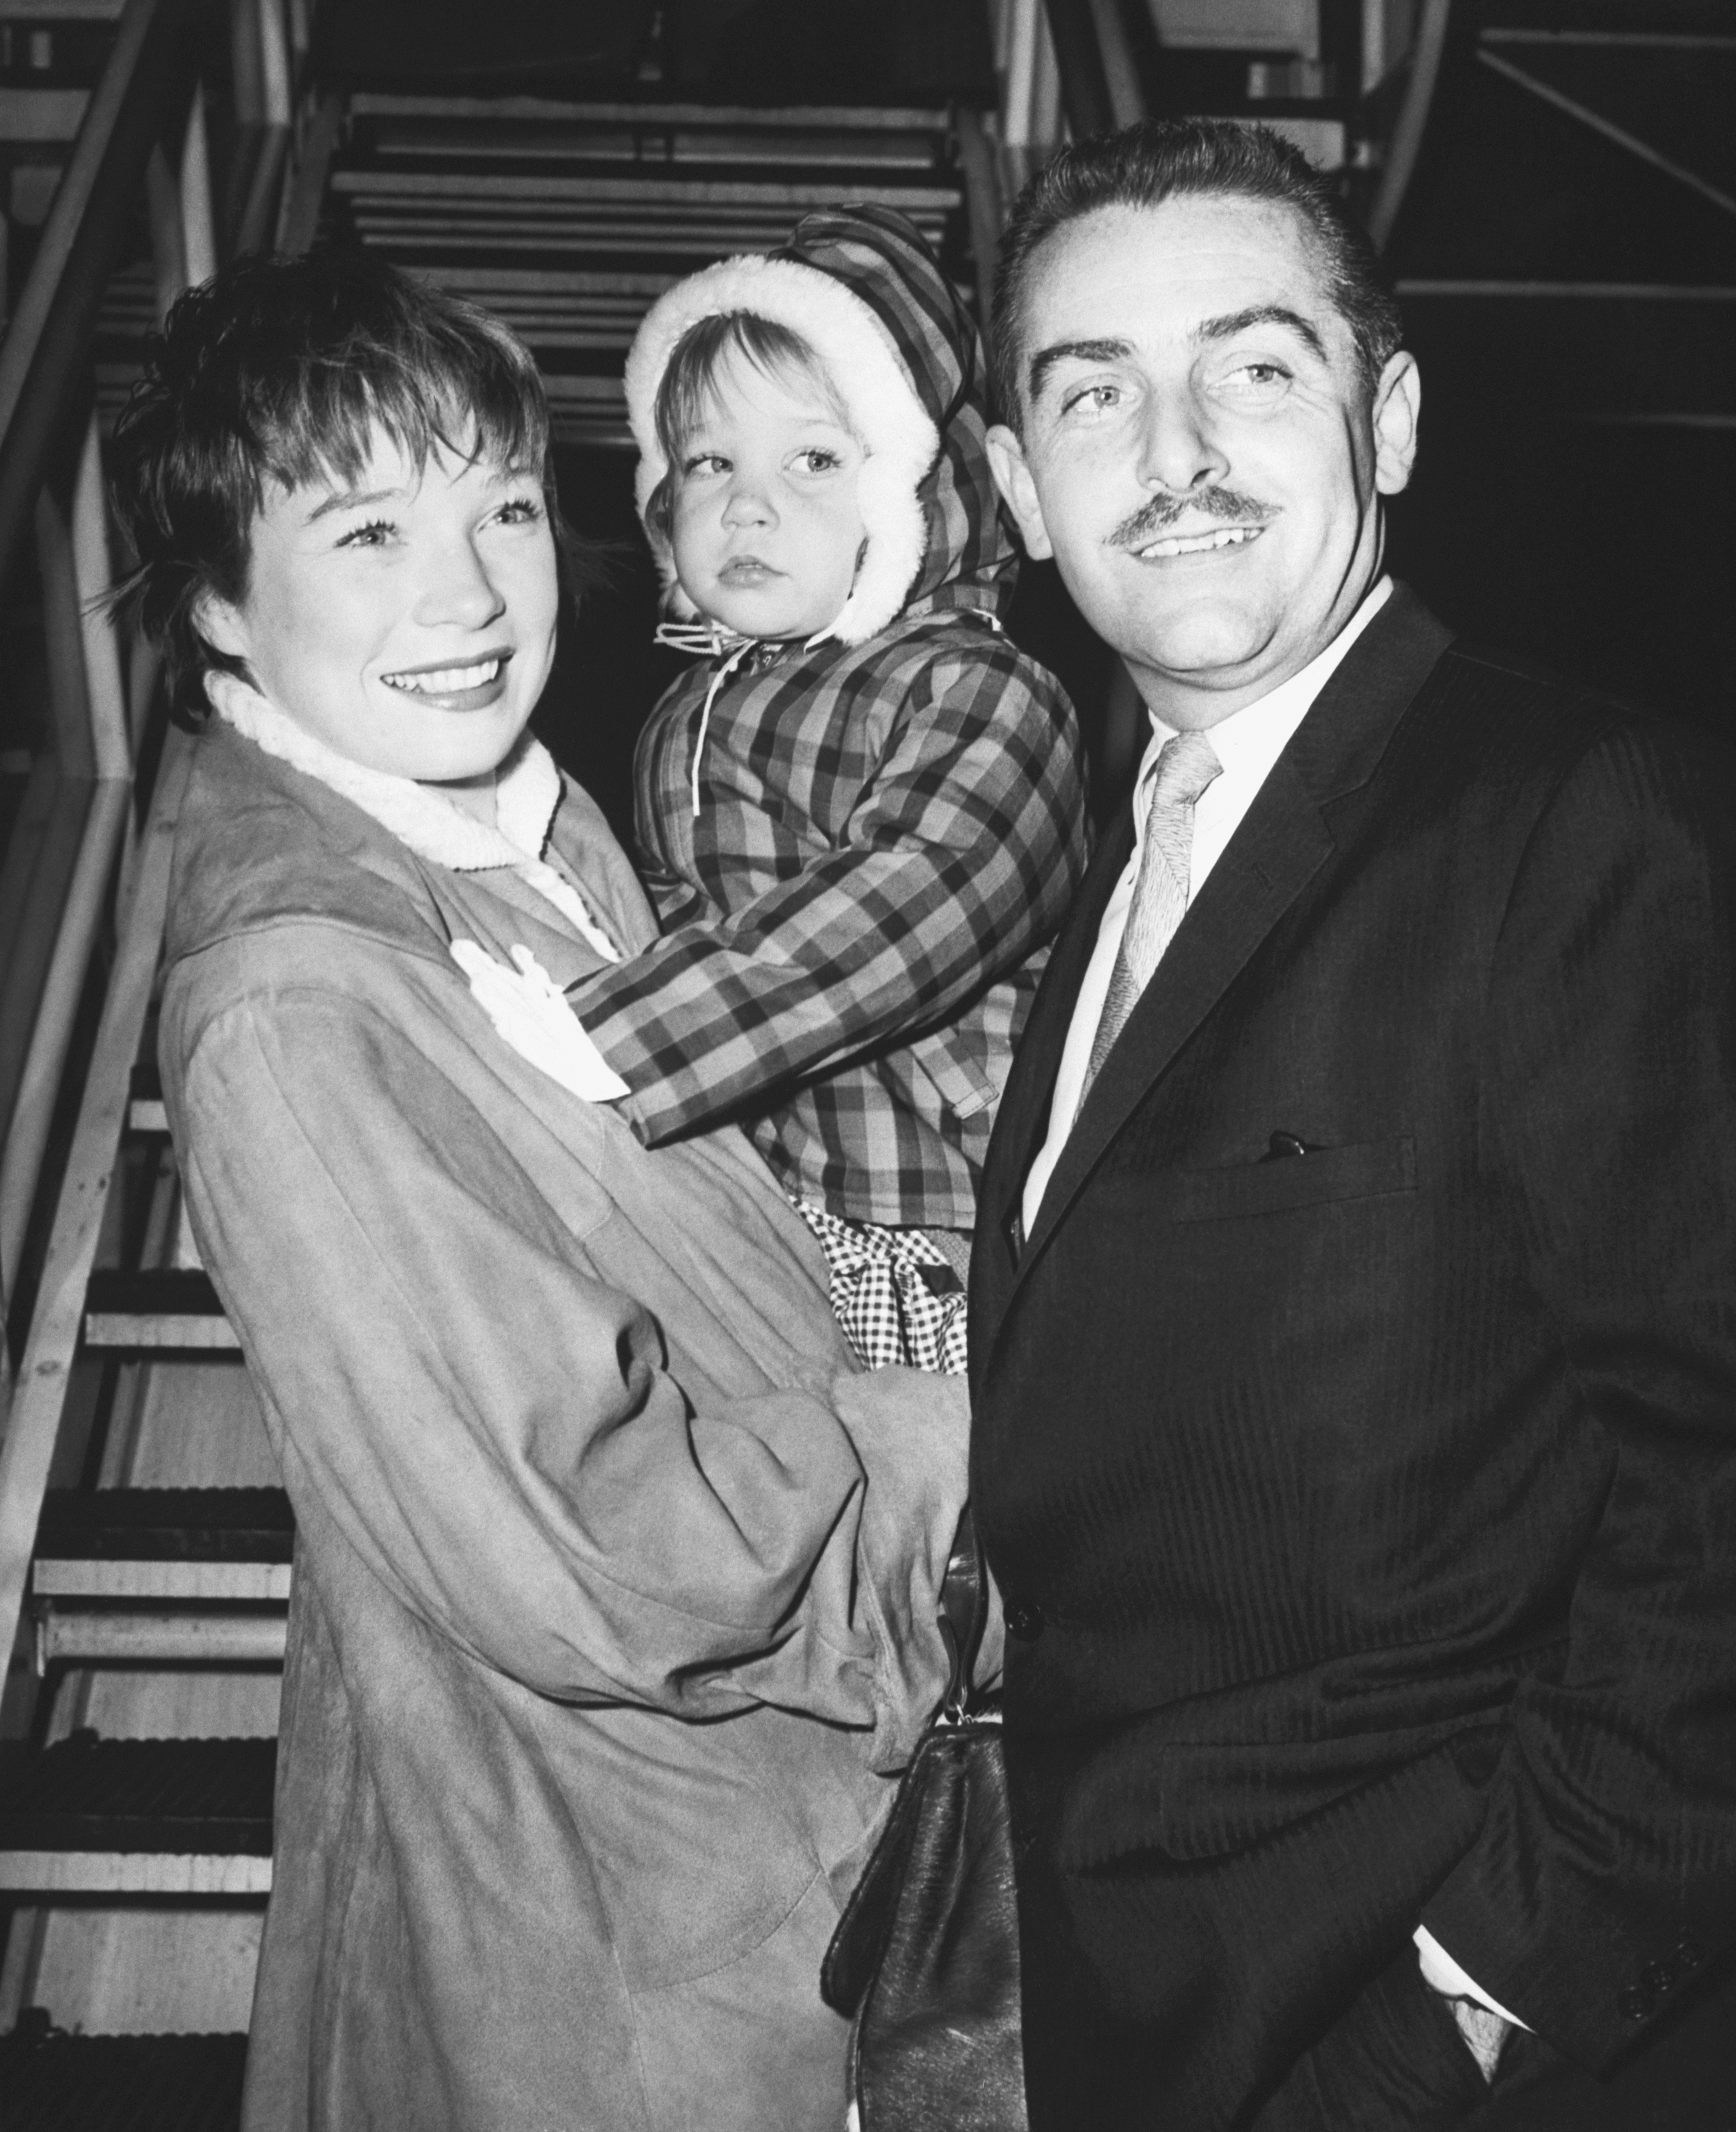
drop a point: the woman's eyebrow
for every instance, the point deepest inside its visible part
(1261, 315)
(350, 499)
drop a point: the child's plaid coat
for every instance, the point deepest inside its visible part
(888, 837)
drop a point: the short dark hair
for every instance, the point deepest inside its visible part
(279, 371)
(691, 378)
(1164, 159)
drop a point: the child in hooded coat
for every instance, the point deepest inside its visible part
(860, 841)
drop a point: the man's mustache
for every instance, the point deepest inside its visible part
(1163, 511)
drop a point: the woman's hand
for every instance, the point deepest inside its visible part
(532, 1013)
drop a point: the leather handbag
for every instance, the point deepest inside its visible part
(925, 1958)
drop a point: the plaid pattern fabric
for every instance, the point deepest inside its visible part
(888, 838)
(855, 923)
(896, 1294)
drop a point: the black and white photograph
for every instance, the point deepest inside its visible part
(867, 1066)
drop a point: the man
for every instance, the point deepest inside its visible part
(1354, 1304)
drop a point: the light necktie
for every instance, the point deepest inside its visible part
(1185, 766)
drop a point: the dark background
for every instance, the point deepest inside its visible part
(1571, 497)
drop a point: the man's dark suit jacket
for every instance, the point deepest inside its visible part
(1369, 1514)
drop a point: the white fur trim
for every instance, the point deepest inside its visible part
(525, 796)
(863, 363)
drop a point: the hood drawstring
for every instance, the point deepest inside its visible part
(709, 639)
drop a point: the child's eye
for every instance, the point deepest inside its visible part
(375, 533)
(705, 463)
(818, 459)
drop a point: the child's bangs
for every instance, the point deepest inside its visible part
(689, 385)
(476, 396)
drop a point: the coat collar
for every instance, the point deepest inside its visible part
(1281, 843)
(527, 794)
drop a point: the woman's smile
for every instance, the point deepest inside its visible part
(406, 619)
(473, 686)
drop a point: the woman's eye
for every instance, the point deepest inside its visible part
(375, 533)
(521, 511)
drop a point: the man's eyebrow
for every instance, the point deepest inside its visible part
(1262, 315)
(1077, 351)
(351, 499)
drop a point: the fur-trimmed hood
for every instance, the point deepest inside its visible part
(861, 286)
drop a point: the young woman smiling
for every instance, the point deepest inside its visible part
(615, 1584)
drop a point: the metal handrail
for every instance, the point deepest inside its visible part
(42, 358)
(1406, 145)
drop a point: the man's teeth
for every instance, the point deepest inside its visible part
(446, 680)
(1197, 543)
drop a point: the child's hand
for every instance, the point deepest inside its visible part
(530, 1011)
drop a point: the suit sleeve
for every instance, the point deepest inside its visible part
(1603, 1877)
(958, 861)
(459, 1395)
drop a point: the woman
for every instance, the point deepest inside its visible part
(614, 1605)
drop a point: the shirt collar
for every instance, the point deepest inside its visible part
(1250, 740)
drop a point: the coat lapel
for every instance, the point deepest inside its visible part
(1281, 844)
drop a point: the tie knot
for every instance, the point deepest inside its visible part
(1187, 764)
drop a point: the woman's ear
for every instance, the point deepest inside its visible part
(223, 626)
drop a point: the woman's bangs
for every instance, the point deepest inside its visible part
(467, 402)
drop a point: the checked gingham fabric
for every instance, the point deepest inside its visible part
(856, 922)
(896, 1294)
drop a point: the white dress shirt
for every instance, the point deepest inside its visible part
(1248, 743)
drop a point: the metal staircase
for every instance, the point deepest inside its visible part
(146, 1550)
(569, 220)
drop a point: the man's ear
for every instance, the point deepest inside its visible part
(1398, 408)
(1013, 479)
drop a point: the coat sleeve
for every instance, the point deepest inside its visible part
(958, 861)
(457, 1393)
(1605, 1872)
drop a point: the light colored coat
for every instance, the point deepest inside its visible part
(614, 1599)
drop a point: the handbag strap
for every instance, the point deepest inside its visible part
(964, 1609)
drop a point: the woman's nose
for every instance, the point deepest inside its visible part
(457, 588)
(1178, 451)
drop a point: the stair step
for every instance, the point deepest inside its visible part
(153, 1311)
(92, 1815)
(769, 120)
(194, 1545)
(145, 1109)
(150, 1635)
(57, 2082)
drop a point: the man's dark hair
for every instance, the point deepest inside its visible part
(1164, 159)
(285, 371)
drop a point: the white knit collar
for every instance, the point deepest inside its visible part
(526, 793)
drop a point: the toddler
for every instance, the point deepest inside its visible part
(862, 816)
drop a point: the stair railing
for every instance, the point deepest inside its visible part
(101, 694)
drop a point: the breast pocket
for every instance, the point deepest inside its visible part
(1370, 1169)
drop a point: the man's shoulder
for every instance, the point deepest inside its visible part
(1510, 718)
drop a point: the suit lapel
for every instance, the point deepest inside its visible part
(1281, 844)
(1277, 849)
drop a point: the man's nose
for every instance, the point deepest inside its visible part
(457, 588)
(1177, 450)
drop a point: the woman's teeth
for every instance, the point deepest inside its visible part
(1197, 543)
(446, 680)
